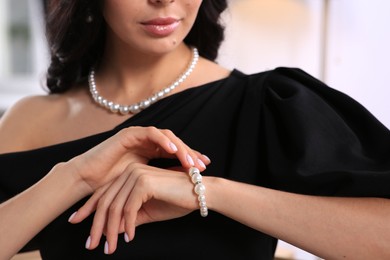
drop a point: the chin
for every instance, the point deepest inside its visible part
(162, 46)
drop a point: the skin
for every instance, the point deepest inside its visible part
(130, 71)
(71, 181)
(134, 66)
(70, 118)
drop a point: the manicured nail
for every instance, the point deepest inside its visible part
(106, 248)
(88, 243)
(127, 239)
(72, 216)
(190, 160)
(207, 158)
(173, 147)
(201, 163)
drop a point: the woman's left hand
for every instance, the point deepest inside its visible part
(142, 194)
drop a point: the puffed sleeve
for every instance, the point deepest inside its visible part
(320, 141)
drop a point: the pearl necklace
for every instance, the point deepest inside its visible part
(137, 107)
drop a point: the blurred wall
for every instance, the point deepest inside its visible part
(358, 53)
(342, 42)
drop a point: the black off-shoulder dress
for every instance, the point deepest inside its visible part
(281, 129)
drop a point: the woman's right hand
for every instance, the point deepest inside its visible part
(108, 160)
(142, 194)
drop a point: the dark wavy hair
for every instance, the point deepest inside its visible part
(77, 43)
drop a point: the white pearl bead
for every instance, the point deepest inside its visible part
(200, 189)
(114, 108)
(196, 177)
(134, 109)
(160, 94)
(144, 104)
(202, 204)
(193, 170)
(124, 110)
(202, 198)
(204, 213)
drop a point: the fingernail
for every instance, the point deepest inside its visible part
(207, 158)
(201, 163)
(106, 248)
(127, 239)
(173, 147)
(72, 216)
(190, 160)
(88, 243)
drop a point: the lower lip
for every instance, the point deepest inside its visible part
(161, 30)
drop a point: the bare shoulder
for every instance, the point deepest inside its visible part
(209, 71)
(25, 123)
(40, 121)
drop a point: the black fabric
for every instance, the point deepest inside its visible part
(281, 129)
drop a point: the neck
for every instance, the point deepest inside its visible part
(117, 107)
(128, 77)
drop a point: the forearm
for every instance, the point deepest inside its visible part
(23, 216)
(333, 228)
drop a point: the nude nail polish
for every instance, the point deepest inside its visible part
(127, 239)
(72, 216)
(201, 163)
(207, 158)
(173, 147)
(106, 248)
(190, 160)
(88, 243)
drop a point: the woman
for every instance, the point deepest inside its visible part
(282, 143)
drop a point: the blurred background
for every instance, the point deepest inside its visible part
(23, 50)
(342, 42)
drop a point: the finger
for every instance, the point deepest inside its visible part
(188, 157)
(122, 228)
(166, 144)
(139, 135)
(143, 185)
(89, 207)
(130, 212)
(101, 214)
(201, 161)
(115, 213)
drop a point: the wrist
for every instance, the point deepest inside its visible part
(67, 171)
(213, 189)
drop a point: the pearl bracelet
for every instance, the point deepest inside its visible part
(199, 189)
